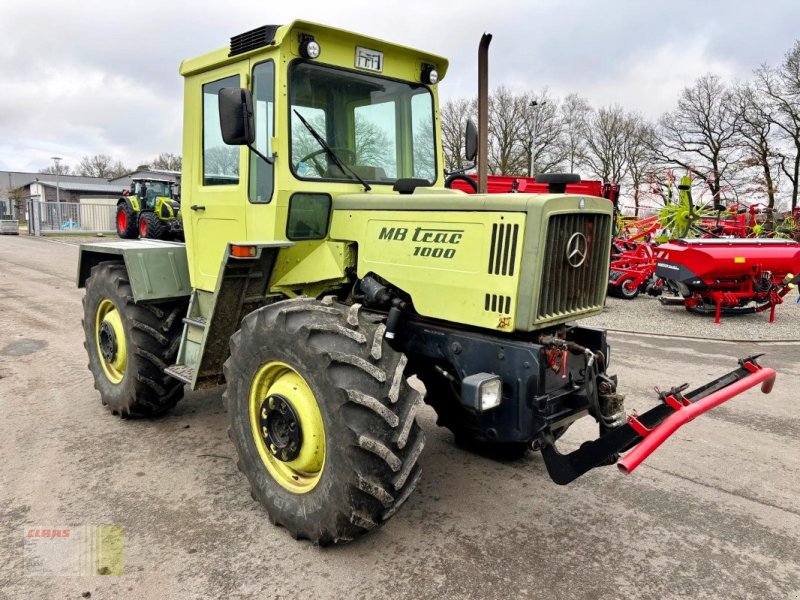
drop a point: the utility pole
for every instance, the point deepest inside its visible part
(534, 105)
(57, 159)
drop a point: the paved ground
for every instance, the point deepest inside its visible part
(714, 514)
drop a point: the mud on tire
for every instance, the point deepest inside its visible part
(368, 408)
(152, 334)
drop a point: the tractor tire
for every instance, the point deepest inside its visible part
(127, 222)
(151, 227)
(322, 418)
(130, 344)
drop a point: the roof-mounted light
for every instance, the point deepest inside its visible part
(309, 47)
(429, 75)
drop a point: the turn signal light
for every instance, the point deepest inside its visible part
(243, 251)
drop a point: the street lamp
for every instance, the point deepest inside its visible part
(533, 106)
(57, 159)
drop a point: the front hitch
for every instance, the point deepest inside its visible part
(643, 434)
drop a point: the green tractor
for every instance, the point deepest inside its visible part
(149, 210)
(334, 284)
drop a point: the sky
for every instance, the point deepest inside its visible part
(88, 77)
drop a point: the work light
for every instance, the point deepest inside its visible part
(481, 391)
(429, 75)
(309, 47)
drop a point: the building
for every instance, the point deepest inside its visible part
(18, 187)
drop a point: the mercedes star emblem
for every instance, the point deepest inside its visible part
(577, 247)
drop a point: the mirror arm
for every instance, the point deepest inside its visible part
(268, 159)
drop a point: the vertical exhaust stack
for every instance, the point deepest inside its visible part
(483, 112)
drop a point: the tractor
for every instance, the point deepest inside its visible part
(334, 284)
(149, 210)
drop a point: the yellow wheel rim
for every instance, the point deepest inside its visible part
(110, 340)
(287, 427)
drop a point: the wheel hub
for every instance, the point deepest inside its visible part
(108, 341)
(280, 428)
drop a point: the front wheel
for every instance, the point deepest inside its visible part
(322, 418)
(628, 289)
(150, 226)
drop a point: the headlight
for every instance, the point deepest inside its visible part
(482, 391)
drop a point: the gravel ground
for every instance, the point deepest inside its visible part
(646, 314)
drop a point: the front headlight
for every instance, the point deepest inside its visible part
(482, 391)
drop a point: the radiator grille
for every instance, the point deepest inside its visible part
(503, 251)
(496, 303)
(566, 289)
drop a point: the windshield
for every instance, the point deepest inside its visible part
(381, 128)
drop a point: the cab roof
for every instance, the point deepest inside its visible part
(282, 36)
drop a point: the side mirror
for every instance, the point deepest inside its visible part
(236, 116)
(471, 141)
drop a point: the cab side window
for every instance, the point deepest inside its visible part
(262, 172)
(220, 161)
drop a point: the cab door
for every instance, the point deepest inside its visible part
(217, 199)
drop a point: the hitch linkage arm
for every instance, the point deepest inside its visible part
(643, 434)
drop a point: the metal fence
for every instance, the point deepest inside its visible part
(70, 217)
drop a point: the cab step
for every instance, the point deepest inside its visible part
(182, 373)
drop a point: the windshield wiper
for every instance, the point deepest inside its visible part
(336, 160)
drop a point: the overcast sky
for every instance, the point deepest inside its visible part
(88, 77)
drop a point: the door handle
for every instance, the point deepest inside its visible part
(197, 207)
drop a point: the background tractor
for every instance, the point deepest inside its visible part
(149, 210)
(334, 284)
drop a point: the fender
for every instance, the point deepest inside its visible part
(157, 270)
(131, 201)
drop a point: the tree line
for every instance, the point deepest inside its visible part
(739, 141)
(107, 167)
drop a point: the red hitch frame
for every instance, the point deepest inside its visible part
(686, 410)
(643, 434)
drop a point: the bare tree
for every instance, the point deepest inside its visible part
(507, 117)
(699, 135)
(606, 143)
(166, 161)
(781, 88)
(454, 117)
(575, 114)
(754, 124)
(101, 165)
(639, 144)
(61, 169)
(542, 129)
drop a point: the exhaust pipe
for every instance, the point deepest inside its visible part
(483, 112)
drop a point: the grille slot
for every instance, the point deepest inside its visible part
(255, 38)
(566, 289)
(497, 303)
(503, 249)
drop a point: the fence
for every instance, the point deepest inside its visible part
(70, 217)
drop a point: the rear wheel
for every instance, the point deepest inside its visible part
(130, 344)
(127, 222)
(150, 226)
(322, 418)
